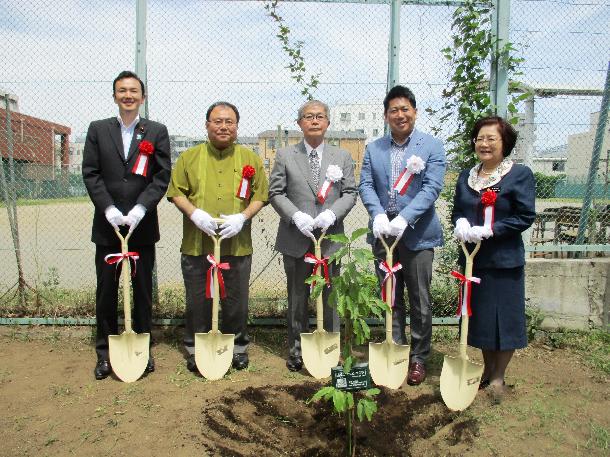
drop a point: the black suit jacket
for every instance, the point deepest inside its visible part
(514, 213)
(109, 180)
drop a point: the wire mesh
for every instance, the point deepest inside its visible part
(59, 60)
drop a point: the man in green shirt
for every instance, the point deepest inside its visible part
(218, 179)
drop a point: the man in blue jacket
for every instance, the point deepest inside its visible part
(402, 176)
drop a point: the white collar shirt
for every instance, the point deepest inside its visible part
(319, 150)
(127, 133)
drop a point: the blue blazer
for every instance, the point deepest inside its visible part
(515, 212)
(417, 204)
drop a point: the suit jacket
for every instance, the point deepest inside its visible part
(109, 180)
(514, 212)
(417, 204)
(291, 189)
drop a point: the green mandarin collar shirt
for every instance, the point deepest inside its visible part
(209, 178)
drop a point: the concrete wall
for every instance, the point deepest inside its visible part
(571, 293)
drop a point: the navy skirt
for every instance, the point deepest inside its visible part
(498, 310)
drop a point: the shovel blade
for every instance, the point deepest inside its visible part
(389, 363)
(320, 351)
(213, 354)
(459, 381)
(128, 354)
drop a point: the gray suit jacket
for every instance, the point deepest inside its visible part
(291, 189)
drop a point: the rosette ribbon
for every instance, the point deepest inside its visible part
(243, 191)
(117, 257)
(414, 166)
(333, 174)
(465, 292)
(145, 149)
(389, 271)
(209, 282)
(310, 258)
(489, 200)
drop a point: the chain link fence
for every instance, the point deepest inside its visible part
(59, 60)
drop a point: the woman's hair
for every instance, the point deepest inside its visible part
(507, 132)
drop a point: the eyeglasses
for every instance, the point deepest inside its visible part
(490, 140)
(220, 122)
(311, 117)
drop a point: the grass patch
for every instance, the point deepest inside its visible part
(593, 346)
(599, 437)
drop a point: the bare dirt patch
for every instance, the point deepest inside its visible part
(52, 406)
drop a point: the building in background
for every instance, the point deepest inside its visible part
(269, 141)
(580, 151)
(362, 118)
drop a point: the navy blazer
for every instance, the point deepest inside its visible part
(109, 180)
(417, 204)
(515, 212)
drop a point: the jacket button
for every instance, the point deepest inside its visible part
(124, 179)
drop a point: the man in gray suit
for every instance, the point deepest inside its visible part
(311, 186)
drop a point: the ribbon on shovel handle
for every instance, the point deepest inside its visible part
(310, 258)
(117, 257)
(465, 292)
(209, 283)
(389, 271)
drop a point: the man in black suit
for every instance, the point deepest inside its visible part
(126, 169)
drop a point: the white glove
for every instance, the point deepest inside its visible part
(462, 226)
(304, 223)
(381, 225)
(204, 222)
(232, 225)
(114, 216)
(324, 220)
(134, 216)
(398, 226)
(479, 233)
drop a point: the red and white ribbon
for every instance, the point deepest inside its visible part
(324, 190)
(145, 149)
(310, 258)
(389, 271)
(489, 201)
(209, 283)
(465, 293)
(414, 166)
(243, 191)
(111, 259)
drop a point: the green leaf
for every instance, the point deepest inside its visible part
(347, 365)
(323, 392)
(339, 400)
(338, 237)
(360, 411)
(358, 233)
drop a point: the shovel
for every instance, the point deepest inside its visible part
(128, 351)
(214, 350)
(320, 349)
(388, 361)
(460, 376)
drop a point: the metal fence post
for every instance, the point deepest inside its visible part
(393, 48)
(597, 147)
(140, 60)
(498, 81)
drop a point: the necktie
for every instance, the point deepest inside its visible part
(314, 163)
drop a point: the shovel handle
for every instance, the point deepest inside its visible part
(389, 258)
(125, 280)
(317, 245)
(464, 317)
(216, 295)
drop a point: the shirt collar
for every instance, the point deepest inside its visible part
(403, 145)
(319, 149)
(128, 127)
(220, 152)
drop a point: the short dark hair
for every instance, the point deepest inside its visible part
(507, 132)
(398, 92)
(124, 75)
(227, 104)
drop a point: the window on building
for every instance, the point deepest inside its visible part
(345, 117)
(359, 130)
(375, 132)
(360, 116)
(559, 166)
(271, 143)
(374, 116)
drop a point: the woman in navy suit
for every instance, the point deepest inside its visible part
(494, 203)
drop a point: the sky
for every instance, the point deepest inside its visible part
(60, 57)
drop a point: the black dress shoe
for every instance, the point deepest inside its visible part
(150, 366)
(240, 361)
(102, 369)
(294, 363)
(191, 365)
